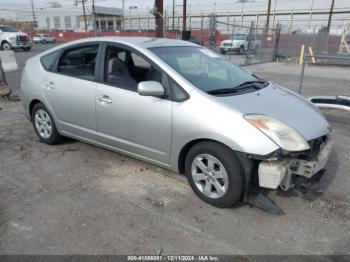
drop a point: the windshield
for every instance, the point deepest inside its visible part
(238, 37)
(8, 29)
(203, 68)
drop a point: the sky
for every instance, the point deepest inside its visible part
(257, 4)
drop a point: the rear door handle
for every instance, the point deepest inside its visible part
(50, 85)
(105, 100)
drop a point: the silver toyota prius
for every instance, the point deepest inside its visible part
(179, 106)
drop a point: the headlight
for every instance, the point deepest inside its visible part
(284, 136)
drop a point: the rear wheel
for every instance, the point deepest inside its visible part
(44, 125)
(6, 46)
(215, 174)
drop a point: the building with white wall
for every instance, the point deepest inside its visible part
(72, 18)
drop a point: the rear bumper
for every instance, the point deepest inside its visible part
(282, 173)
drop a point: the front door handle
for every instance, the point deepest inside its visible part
(105, 100)
(50, 85)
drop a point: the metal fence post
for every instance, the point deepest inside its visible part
(277, 40)
(248, 55)
(212, 31)
(302, 73)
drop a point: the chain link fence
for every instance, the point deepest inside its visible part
(242, 38)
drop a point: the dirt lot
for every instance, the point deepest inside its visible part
(79, 199)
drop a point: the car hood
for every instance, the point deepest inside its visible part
(283, 105)
(14, 33)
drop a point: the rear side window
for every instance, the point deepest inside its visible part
(48, 61)
(79, 62)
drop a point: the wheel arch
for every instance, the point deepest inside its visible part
(4, 41)
(32, 104)
(188, 146)
(249, 166)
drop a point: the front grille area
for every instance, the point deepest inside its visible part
(227, 44)
(22, 38)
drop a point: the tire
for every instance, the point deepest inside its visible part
(27, 49)
(6, 46)
(241, 50)
(205, 184)
(41, 116)
(223, 52)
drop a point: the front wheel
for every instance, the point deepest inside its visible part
(215, 174)
(6, 46)
(44, 125)
(27, 49)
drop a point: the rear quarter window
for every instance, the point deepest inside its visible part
(48, 61)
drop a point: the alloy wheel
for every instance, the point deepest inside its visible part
(43, 123)
(209, 176)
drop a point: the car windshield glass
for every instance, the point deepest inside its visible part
(204, 68)
(8, 29)
(238, 37)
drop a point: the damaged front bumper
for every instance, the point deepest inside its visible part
(283, 171)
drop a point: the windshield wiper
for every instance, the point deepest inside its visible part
(244, 86)
(229, 90)
(253, 84)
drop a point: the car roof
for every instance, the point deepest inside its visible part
(145, 42)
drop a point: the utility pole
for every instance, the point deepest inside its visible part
(122, 22)
(33, 12)
(268, 16)
(94, 17)
(184, 15)
(173, 15)
(159, 18)
(83, 2)
(330, 17)
(311, 8)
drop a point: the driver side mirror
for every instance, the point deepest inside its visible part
(150, 88)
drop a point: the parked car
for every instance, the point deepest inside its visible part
(240, 43)
(11, 38)
(43, 39)
(179, 106)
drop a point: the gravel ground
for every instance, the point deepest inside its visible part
(75, 198)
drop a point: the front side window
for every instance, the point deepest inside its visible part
(79, 62)
(238, 37)
(125, 69)
(203, 68)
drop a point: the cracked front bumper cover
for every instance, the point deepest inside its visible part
(273, 173)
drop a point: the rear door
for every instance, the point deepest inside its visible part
(138, 125)
(70, 90)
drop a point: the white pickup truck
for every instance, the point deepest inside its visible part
(11, 38)
(239, 43)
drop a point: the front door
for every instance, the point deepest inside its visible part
(127, 121)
